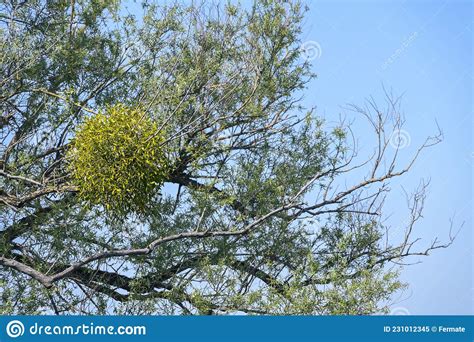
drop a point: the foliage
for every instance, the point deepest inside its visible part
(117, 159)
(248, 202)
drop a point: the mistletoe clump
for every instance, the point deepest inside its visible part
(117, 159)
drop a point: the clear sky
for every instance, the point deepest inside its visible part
(422, 49)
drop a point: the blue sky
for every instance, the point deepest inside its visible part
(423, 50)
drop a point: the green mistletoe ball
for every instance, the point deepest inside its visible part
(118, 159)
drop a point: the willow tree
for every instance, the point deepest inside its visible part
(163, 163)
